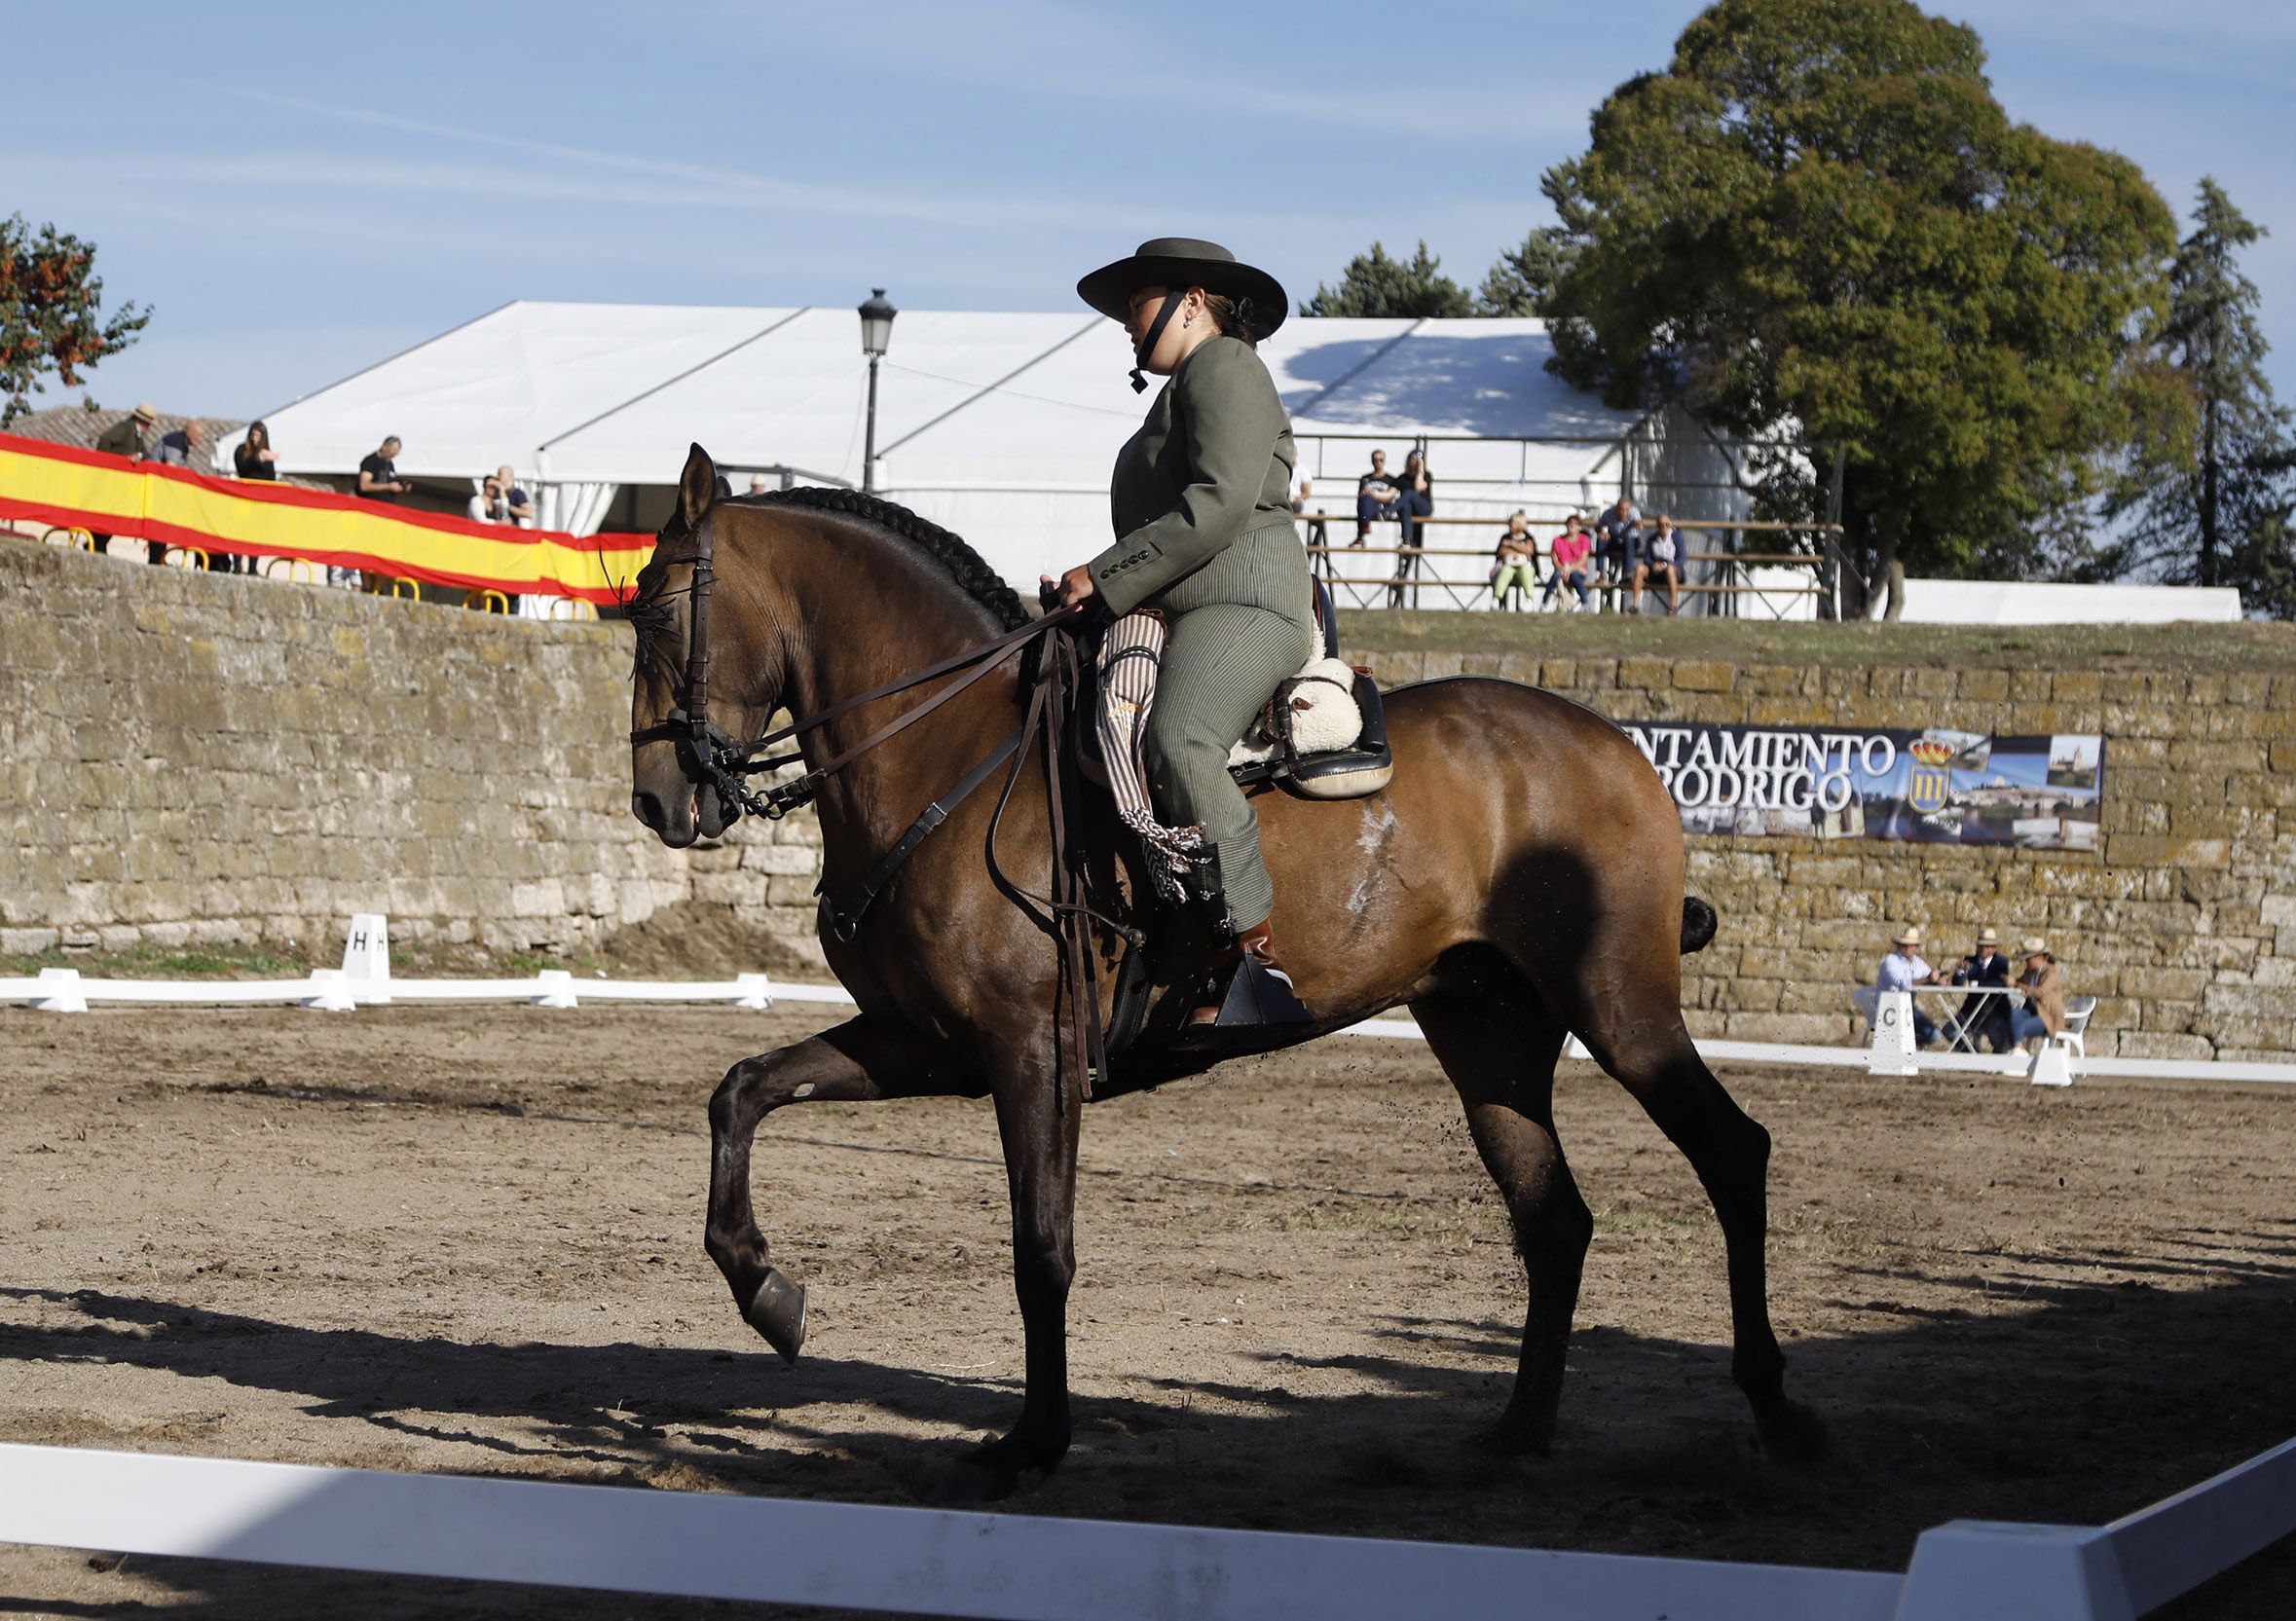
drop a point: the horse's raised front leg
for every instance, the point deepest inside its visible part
(859, 1061)
(1039, 1130)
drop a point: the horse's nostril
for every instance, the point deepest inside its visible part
(647, 806)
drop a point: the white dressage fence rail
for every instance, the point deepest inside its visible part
(365, 980)
(1019, 1567)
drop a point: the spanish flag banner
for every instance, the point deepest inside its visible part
(108, 494)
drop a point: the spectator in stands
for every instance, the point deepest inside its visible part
(1663, 562)
(1903, 969)
(130, 437)
(1414, 498)
(1984, 1017)
(758, 484)
(522, 504)
(252, 458)
(1572, 549)
(186, 447)
(1618, 541)
(489, 505)
(378, 473)
(2044, 985)
(1376, 493)
(1515, 564)
(1301, 493)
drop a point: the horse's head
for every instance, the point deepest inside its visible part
(734, 683)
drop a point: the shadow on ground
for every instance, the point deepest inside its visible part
(2100, 1383)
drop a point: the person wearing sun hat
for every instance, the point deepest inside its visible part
(1903, 969)
(1200, 503)
(1985, 1015)
(2044, 985)
(132, 437)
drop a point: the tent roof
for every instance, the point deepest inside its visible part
(612, 393)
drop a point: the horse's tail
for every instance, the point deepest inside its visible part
(1698, 924)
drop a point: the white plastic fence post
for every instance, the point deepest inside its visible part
(2051, 1067)
(66, 997)
(1969, 1568)
(1892, 1052)
(556, 989)
(330, 991)
(367, 958)
(749, 991)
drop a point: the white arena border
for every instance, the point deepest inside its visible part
(1022, 1568)
(365, 980)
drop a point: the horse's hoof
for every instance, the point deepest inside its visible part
(777, 1310)
(1791, 1433)
(975, 1478)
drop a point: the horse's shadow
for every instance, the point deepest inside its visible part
(2107, 1382)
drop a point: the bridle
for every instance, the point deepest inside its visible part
(714, 760)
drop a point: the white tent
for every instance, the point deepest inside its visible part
(1001, 425)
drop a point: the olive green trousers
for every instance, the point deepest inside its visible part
(1222, 661)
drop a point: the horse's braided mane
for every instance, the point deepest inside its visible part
(960, 562)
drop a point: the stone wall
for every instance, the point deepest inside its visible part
(2183, 924)
(191, 758)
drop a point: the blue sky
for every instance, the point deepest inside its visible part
(302, 190)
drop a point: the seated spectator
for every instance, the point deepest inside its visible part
(759, 485)
(1376, 495)
(1414, 498)
(1515, 564)
(252, 458)
(130, 437)
(491, 505)
(521, 505)
(1901, 970)
(1572, 550)
(186, 447)
(1984, 1017)
(1662, 563)
(2044, 985)
(1618, 543)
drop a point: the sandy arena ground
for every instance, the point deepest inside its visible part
(468, 1240)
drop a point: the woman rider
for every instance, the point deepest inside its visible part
(1202, 504)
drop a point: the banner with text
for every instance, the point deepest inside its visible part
(1934, 786)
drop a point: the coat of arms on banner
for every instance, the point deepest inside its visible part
(1928, 774)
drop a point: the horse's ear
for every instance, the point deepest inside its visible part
(697, 487)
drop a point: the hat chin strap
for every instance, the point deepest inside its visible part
(1155, 334)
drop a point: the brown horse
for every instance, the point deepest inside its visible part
(1521, 879)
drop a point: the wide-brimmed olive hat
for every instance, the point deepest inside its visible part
(1181, 262)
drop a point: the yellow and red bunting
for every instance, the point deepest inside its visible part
(109, 495)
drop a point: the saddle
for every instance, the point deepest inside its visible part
(1322, 736)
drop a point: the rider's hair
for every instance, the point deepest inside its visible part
(1233, 316)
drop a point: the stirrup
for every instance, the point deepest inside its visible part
(1256, 995)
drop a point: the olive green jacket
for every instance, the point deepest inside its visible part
(1201, 496)
(123, 439)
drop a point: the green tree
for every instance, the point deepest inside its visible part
(1374, 285)
(2204, 498)
(1525, 278)
(51, 319)
(1819, 221)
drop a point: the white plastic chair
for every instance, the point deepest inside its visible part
(2077, 1013)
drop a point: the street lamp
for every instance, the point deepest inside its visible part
(876, 333)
